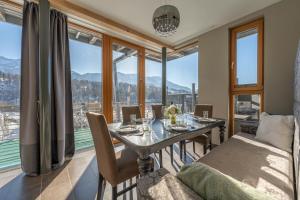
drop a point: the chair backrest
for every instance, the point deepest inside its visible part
(200, 108)
(130, 110)
(157, 111)
(106, 158)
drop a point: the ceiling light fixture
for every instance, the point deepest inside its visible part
(166, 20)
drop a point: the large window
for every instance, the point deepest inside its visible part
(153, 81)
(125, 78)
(182, 81)
(10, 54)
(246, 75)
(246, 58)
(86, 66)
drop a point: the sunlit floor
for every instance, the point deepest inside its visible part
(77, 179)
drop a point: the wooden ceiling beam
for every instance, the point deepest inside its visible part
(77, 35)
(183, 48)
(120, 48)
(93, 40)
(105, 23)
(2, 17)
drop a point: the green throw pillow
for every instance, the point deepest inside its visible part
(211, 184)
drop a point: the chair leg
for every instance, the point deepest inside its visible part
(180, 149)
(101, 187)
(124, 187)
(160, 159)
(204, 149)
(114, 193)
(194, 149)
(184, 150)
(171, 153)
(130, 194)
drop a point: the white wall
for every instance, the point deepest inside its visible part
(282, 33)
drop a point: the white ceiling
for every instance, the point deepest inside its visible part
(197, 16)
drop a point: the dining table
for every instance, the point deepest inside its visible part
(161, 134)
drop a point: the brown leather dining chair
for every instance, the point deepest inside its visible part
(204, 139)
(135, 110)
(158, 114)
(113, 167)
(130, 110)
(157, 111)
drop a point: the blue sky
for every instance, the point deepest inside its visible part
(10, 40)
(86, 58)
(246, 59)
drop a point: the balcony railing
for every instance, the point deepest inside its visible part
(10, 120)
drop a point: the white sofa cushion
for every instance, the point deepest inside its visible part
(277, 130)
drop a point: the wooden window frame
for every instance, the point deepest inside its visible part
(235, 89)
(259, 25)
(107, 74)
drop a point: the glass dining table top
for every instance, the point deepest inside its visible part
(160, 130)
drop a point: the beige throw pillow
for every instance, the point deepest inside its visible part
(277, 130)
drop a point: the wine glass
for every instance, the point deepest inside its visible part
(205, 114)
(133, 119)
(163, 110)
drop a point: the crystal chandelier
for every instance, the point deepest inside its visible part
(166, 20)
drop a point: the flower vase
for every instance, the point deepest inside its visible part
(173, 119)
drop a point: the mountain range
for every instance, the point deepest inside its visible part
(131, 79)
(12, 66)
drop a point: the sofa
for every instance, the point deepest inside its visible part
(260, 165)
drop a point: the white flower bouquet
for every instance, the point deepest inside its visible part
(171, 112)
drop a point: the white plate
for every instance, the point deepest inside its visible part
(202, 119)
(179, 128)
(127, 129)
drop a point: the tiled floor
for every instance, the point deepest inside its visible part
(77, 179)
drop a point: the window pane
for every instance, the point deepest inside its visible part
(10, 54)
(246, 111)
(247, 58)
(125, 78)
(182, 81)
(153, 74)
(86, 66)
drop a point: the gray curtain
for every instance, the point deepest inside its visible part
(29, 128)
(62, 133)
(62, 114)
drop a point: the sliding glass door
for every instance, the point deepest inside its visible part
(10, 54)
(182, 81)
(125, 78)
(153, 81)
(86, 67)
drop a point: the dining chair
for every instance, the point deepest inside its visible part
(130, 110)
(135, 110)
(157, 111)
(204, 139)
(158, 114)
(114, 167)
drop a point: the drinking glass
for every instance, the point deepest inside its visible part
(179, 106)
(133, 119)
(149, 114)
(163, 110)
(205, 114)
